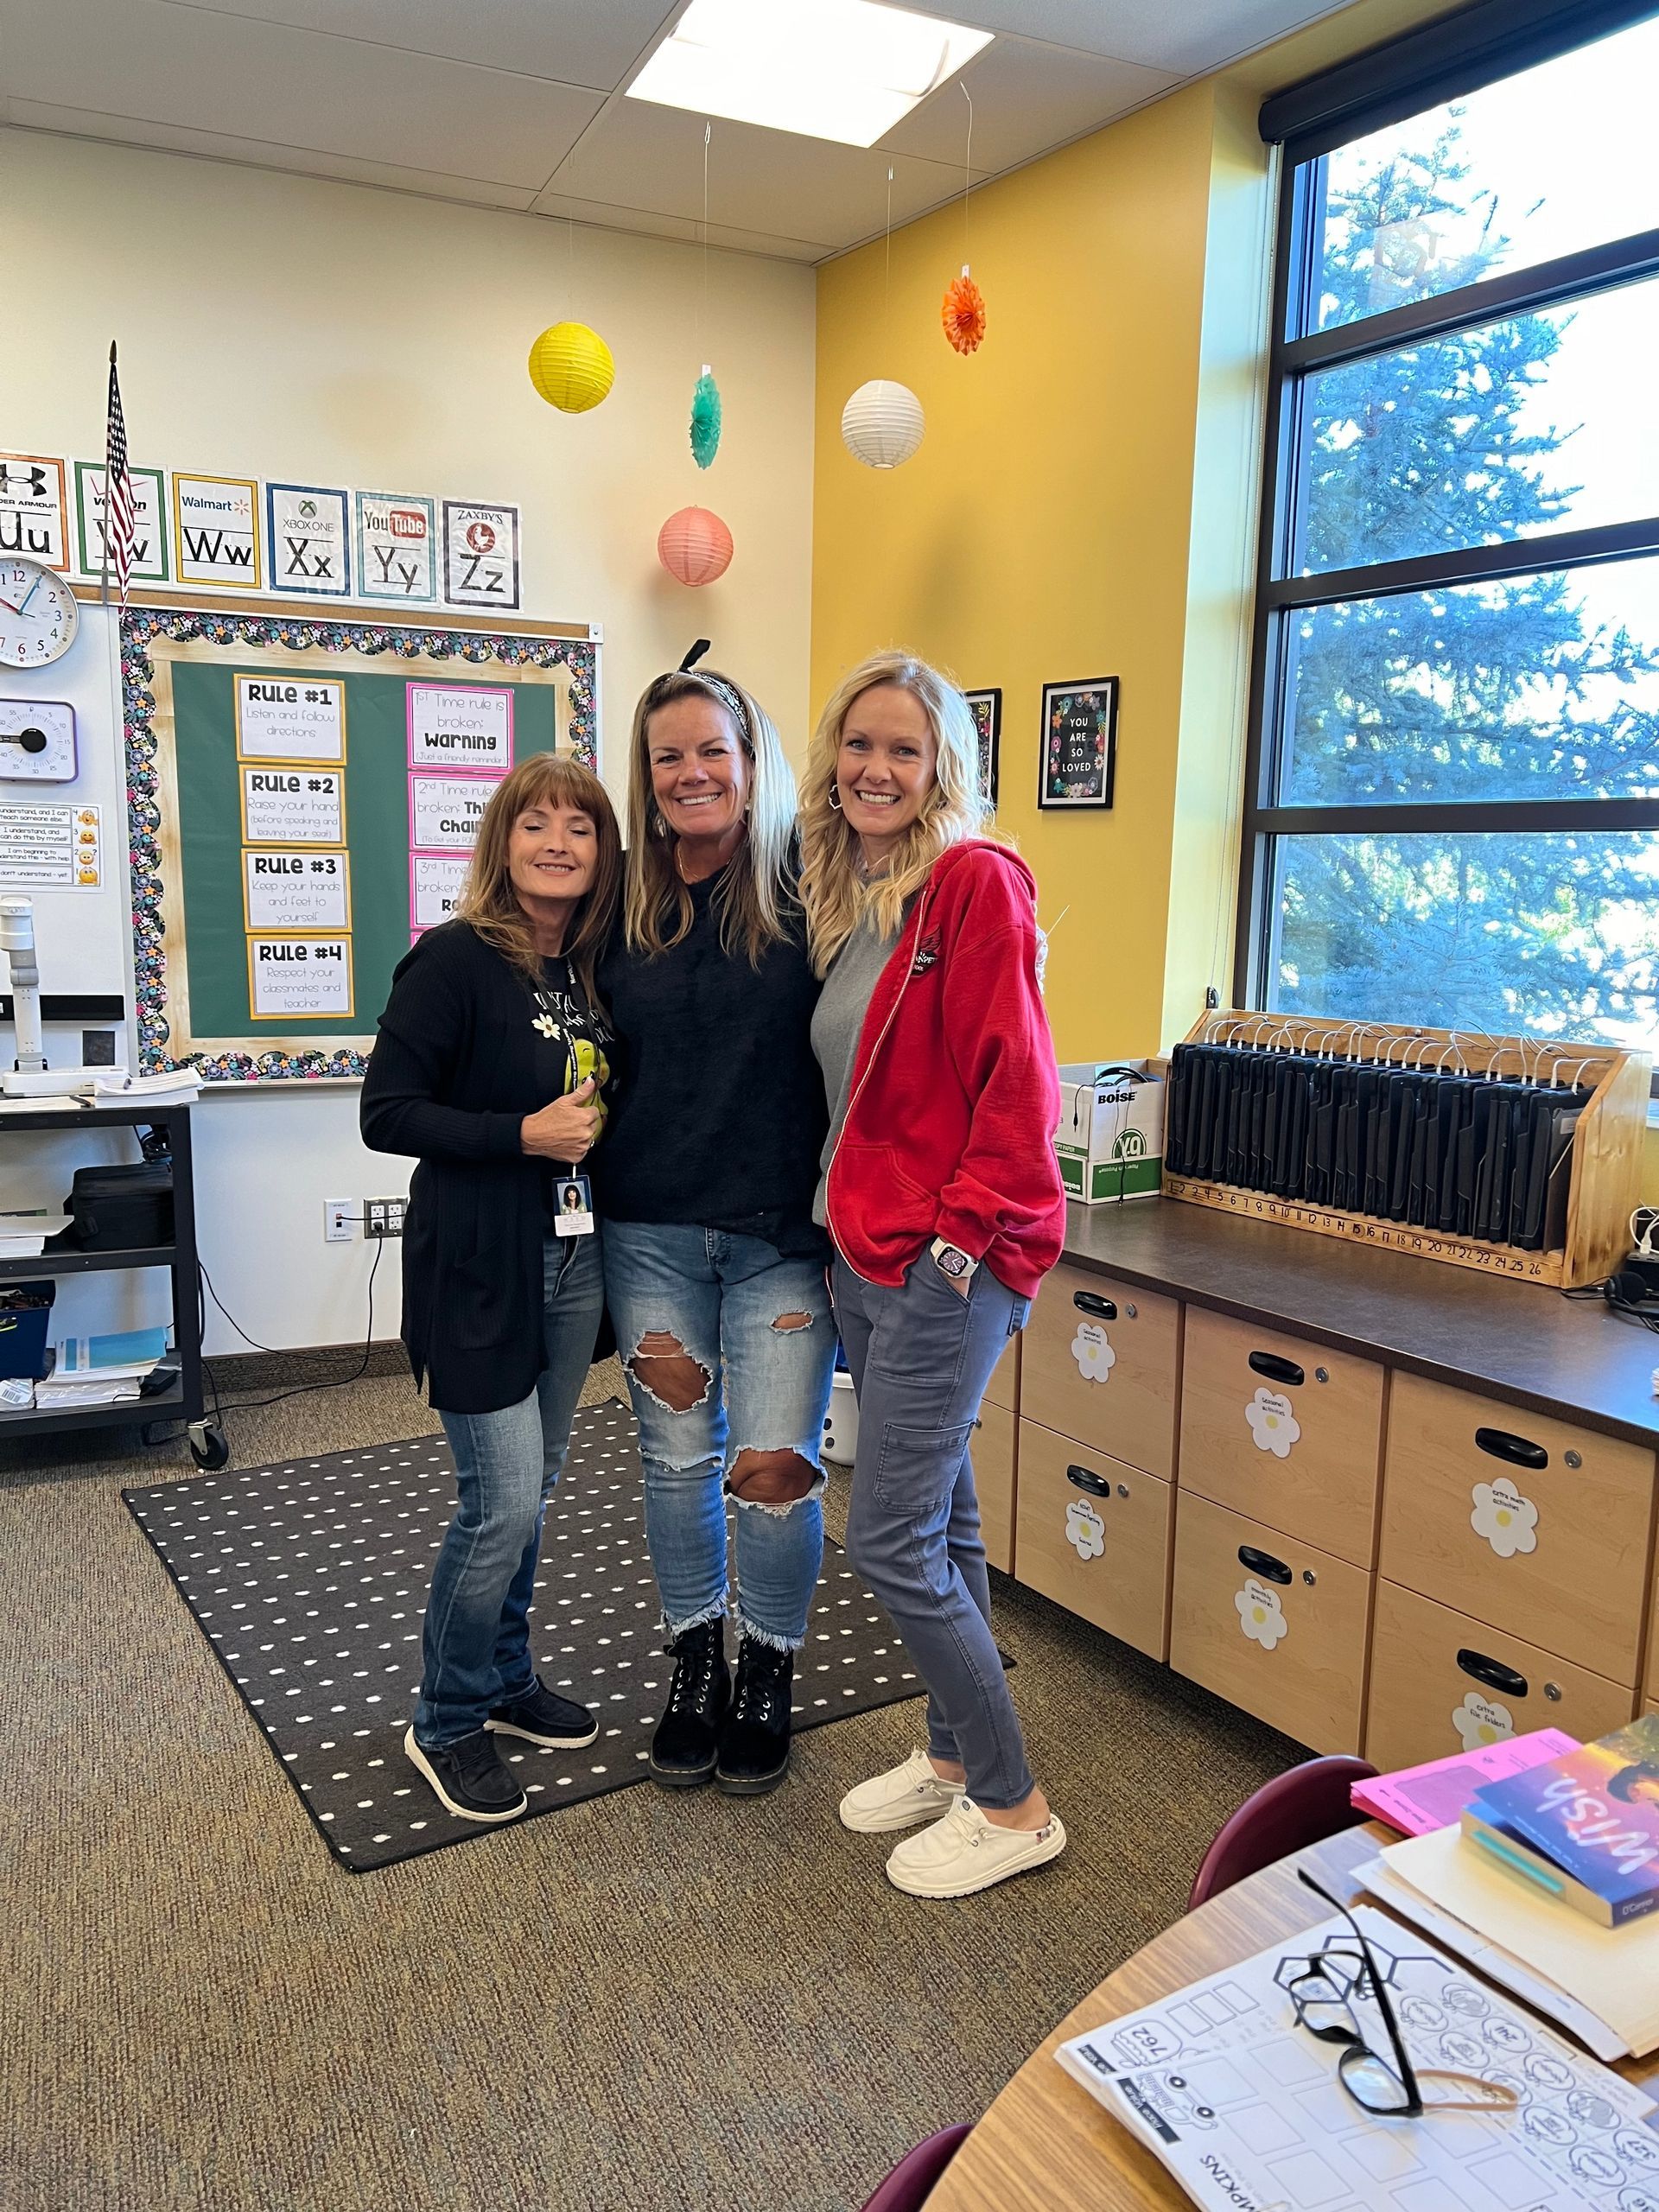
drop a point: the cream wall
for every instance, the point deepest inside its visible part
(276, 327)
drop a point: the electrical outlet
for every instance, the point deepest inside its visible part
(384, 1216)
(337, 1219)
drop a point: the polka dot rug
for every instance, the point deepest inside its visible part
(309, 1581)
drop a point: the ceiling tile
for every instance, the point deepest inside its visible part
(150, 59)
(1187, 36)
(639, 155)
(607, 216)
(253, 153)
(1026, 98)
(572, 40)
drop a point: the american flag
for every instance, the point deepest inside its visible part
(118, 517)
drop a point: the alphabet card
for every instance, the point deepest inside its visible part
(34, 518)
(291, 978)
(150, 561)
(216, 531)
(286, 890)
(308, 529)
(480, 555)
(396, 546)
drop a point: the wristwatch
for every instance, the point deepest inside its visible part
(950, 1259)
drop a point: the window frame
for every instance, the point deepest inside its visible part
(1391, 85)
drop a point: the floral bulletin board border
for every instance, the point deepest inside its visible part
(139, 625)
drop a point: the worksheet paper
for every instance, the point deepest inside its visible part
(1245, 2109)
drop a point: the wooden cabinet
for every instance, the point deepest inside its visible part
(993, 1453)
(1283, 1431)
(1442, 1682)
(1003, 1389)
(1101, 1364)
(1537, 1529)
(1270, 1624)
(1094, 1534)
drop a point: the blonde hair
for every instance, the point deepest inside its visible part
(656, 905)
(489, 905)
(834, 889)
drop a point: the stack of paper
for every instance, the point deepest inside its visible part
(1245, 2110)
(16, 1393)
(1416, 1799)
(22, 1235)
(169, 1090)
(1602, 1983)
(100, 1370)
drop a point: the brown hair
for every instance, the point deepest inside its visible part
(489, 905)
(753, 895)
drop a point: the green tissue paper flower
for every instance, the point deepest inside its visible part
(705, 420)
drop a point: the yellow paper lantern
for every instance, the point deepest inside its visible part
(694, 546)
(882, 424)
(571, 367)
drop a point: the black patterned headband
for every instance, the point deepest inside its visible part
(724, 692)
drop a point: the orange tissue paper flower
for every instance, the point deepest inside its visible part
(963, 313)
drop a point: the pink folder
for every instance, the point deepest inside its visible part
(1419, 1798)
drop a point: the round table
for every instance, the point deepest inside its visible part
(1046, 2145)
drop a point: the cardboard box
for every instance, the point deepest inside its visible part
(1110, 1138)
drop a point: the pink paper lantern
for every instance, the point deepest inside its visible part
(694, 546)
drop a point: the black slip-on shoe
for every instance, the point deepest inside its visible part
(468, 1778)
(541, 1718)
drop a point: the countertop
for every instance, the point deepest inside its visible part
(1535, 1347)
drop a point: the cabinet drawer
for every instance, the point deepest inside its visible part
(1284, 1431)
(1441, 1682)
(1003, 1389)
(1540, 1529)
(1094, 1536)
(1270, 1624)
(992, 1456)
(1101, 1364)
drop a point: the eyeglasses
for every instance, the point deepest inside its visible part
(1385, 2085)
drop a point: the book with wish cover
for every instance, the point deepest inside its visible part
(1585, 1826)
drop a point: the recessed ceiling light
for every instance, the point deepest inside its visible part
(842, 69)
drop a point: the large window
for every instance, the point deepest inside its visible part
(1453, 812)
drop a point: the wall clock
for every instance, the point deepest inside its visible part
(37, 742)
(38, 615)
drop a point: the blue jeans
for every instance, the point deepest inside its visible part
(475, 1650)
(920, 1356)
(729, 1349)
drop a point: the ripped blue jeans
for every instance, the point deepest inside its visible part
(728, 1348)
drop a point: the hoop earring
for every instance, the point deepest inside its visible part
(835, 798)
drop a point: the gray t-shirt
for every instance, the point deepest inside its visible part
(838, 1021)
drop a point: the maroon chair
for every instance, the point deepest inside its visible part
(908, 2187)
(1301, 1807)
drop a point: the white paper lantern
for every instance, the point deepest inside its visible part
(882, 424)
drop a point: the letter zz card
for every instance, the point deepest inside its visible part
(480, 556)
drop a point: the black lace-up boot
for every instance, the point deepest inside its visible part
(683, 1748)
(754, 1742)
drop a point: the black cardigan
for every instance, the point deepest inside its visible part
(451, 1078)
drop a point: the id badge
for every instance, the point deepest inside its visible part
(573, 1206)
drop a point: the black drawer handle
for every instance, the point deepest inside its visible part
(1083, 1478)
(1276, 1370)
(1264, 1564)
(1493, 1673)
(1086, 1301)
(1519, 1451)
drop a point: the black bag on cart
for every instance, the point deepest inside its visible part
(121, 1208)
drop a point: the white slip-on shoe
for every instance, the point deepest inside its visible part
(964, 1852)
(899, 1798)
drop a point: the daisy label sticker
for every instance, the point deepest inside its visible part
(1274, 1425)
(1084, 1530)
(1503, 1518)
(1479, 1722)
(1092, 1350)
(1260, 1614)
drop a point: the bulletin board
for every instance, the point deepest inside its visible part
(302, 795)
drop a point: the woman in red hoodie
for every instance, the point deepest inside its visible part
(942, 1194)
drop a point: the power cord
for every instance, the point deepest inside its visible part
(249, 1405)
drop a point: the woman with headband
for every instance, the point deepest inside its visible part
(714, 1269)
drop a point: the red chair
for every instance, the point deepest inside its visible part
(908, 2187)
(1301, 1807)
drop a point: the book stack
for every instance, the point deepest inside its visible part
(100, 1370)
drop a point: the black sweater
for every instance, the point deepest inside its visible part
(457, 1066)
(719, 1117)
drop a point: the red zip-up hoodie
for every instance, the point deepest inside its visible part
(955, 1094)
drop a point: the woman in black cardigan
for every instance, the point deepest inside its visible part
(491, 1069)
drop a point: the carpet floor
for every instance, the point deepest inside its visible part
(655, 2001)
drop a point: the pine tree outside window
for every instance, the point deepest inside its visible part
(1452, 806)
